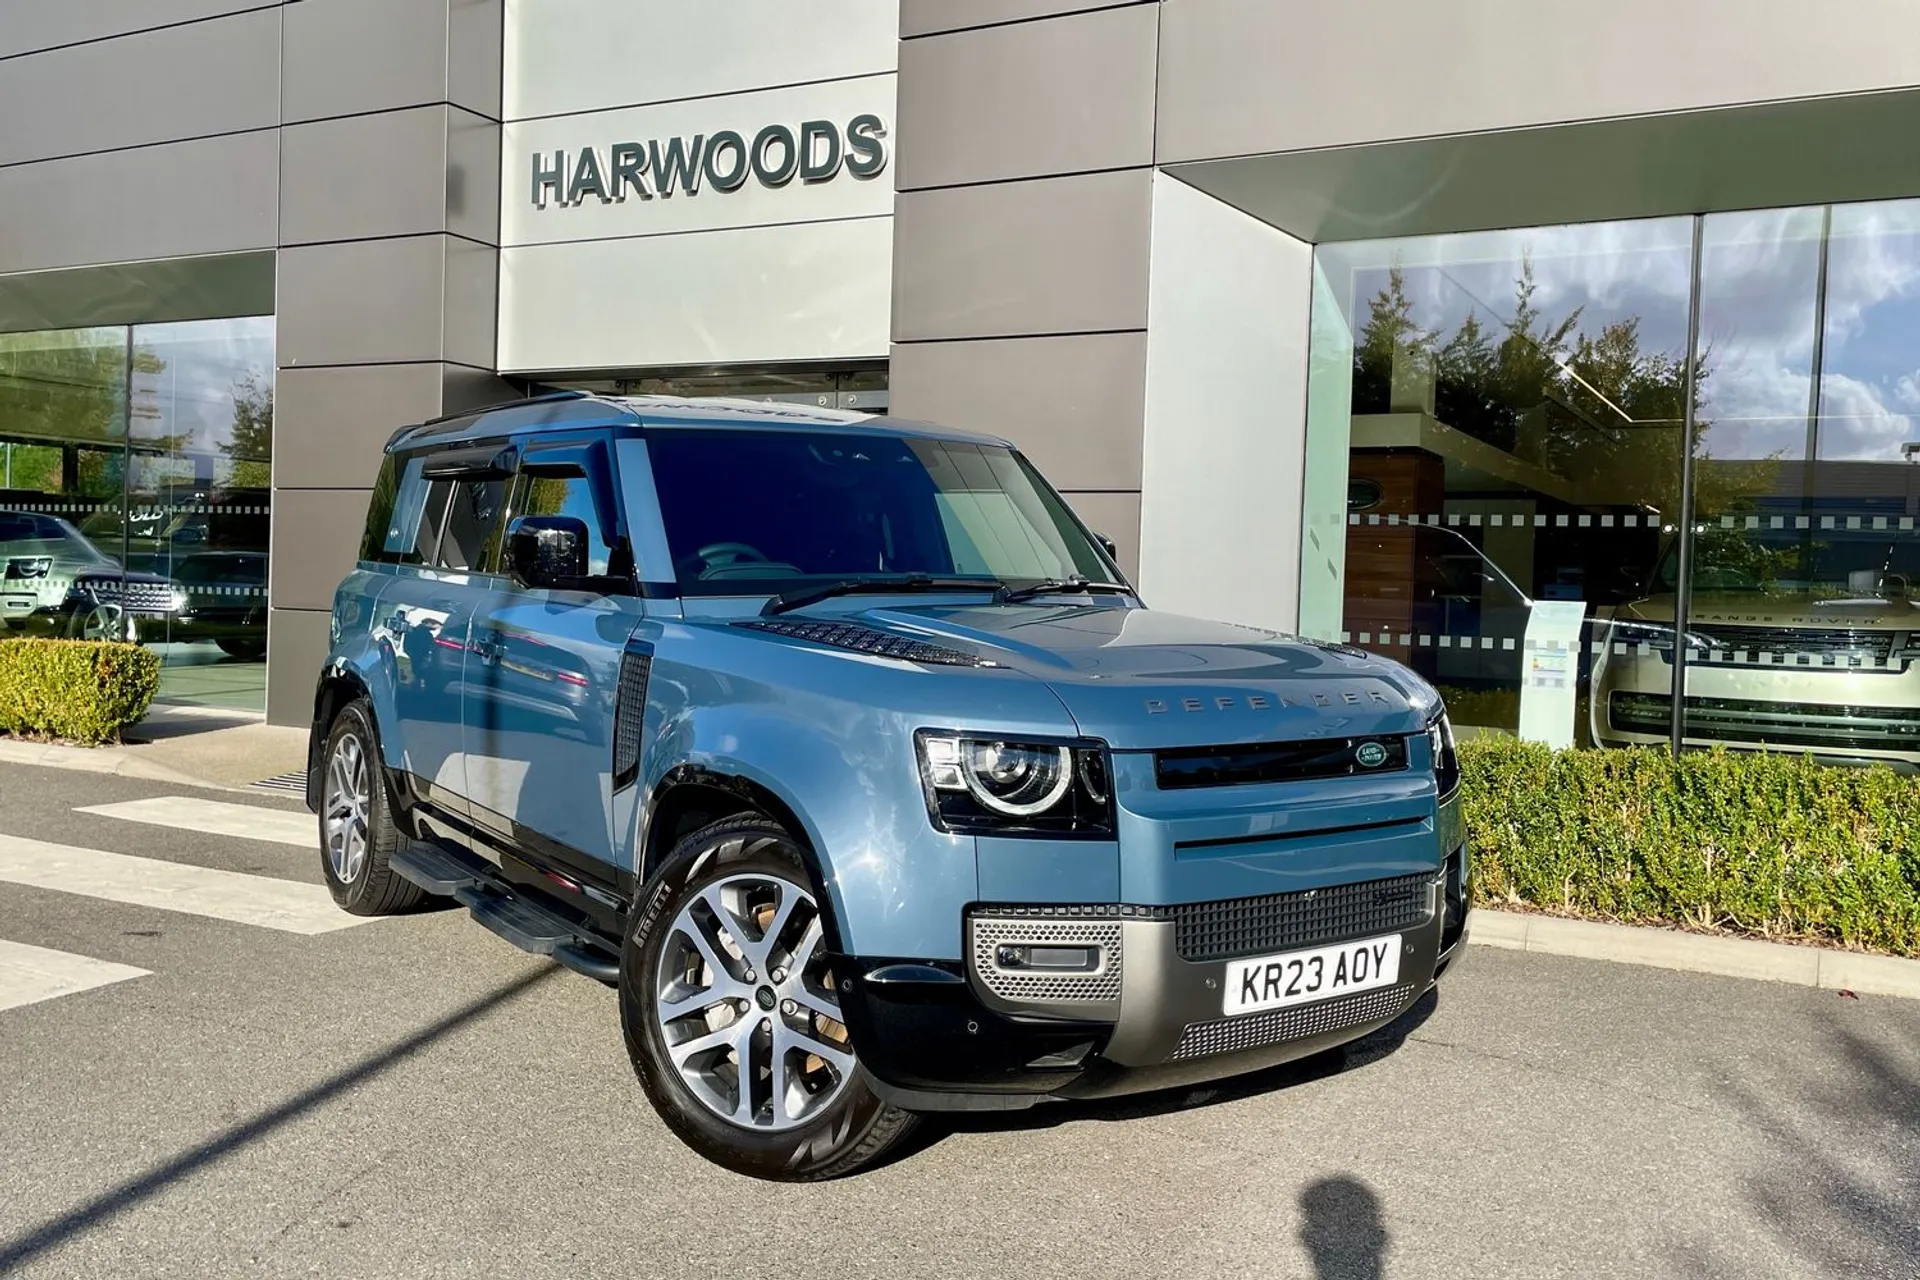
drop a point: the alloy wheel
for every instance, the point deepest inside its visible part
(746, 1006)
(344, 813)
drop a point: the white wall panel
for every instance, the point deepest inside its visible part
(818, 291)
(843, 195)
(584, 55)
(1221, 460)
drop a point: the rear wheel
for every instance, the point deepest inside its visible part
(732, 1014)
(357, 834)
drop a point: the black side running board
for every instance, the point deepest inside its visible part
(494, 904)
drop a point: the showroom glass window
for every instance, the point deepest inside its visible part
(150, 447)
(1509, 410)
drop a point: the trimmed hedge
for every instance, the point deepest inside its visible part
(79, 690)
(1766, 845)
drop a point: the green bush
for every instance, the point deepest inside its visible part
(1767, 845)
(79, 690)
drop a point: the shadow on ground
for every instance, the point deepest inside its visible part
(1843, 1193)
(51, 1234)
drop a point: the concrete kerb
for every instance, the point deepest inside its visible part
(112, 760)
(1699, 953)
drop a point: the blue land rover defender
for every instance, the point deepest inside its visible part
(851, 758)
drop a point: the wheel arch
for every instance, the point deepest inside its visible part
(690, 797)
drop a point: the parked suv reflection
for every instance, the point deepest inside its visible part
(56, 581)
(1799, 639)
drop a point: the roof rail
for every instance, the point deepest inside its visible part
(504, 404)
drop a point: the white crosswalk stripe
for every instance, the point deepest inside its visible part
(216, 818)
(29, 975)
(172, 886)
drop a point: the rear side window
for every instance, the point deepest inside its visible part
(414, 528)
(386, 488)
(473, 519)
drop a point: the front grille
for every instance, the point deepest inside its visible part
(1791, 646)
(1258, 1030)
(1780, 724)
(1277, 762)
(1050, 988)
(863, 639)
(135, 597)
(1237, 927)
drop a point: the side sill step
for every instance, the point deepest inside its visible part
(494, 905)
(434, 869)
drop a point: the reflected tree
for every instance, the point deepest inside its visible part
(249, 446)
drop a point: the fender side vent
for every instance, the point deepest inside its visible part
(862, 639)
(629, 714)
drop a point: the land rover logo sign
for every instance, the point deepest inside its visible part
(818, 151)
(1370, 755)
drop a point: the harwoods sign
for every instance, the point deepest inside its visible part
(818, 151)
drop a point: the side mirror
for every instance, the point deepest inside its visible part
(547, 551)
(1106, 543)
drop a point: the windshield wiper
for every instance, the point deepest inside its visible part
(857, 586)
(1069, 585)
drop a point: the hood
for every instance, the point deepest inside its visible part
(1782, 609)
(1141, 678)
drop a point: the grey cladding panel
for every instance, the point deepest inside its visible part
(474, 55)
(27, 25)
(216, 195)
(1062, 96)
(472, 302)
(329, 425)
(193, 81)
(1248, 77)
(204, 288)
(316, 539)
(334, 68)
(1063, 255)
(366, 302)
(473, 176)
(1073, 405)
(296, 647)
(925, 17)
(365, 176)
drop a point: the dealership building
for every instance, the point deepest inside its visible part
(1570, 355)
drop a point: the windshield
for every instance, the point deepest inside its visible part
(1822, 562)
(758, 512)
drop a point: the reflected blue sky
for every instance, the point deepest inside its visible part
(1758, 306)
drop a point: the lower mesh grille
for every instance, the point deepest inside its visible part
(1283, 921)
(1055, 987)
(1258, 1030)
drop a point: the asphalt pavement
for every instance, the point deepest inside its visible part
(234, 1086)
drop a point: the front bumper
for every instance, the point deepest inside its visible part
(974, 1036)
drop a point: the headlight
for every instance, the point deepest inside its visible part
(999, 786)
(1446, 759)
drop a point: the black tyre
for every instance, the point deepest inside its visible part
(732, 1017)
(357, 835)
(248, 650)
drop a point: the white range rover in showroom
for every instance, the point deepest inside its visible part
(1797, 639)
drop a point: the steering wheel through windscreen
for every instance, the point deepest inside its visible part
(733, 559)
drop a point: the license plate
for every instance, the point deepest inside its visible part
(1302, 977)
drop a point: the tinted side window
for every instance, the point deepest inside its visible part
(473, 515)
(386, 489)
(414, 527)
(573, 496)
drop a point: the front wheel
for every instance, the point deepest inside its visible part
(732, 1015)
(357, 834)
